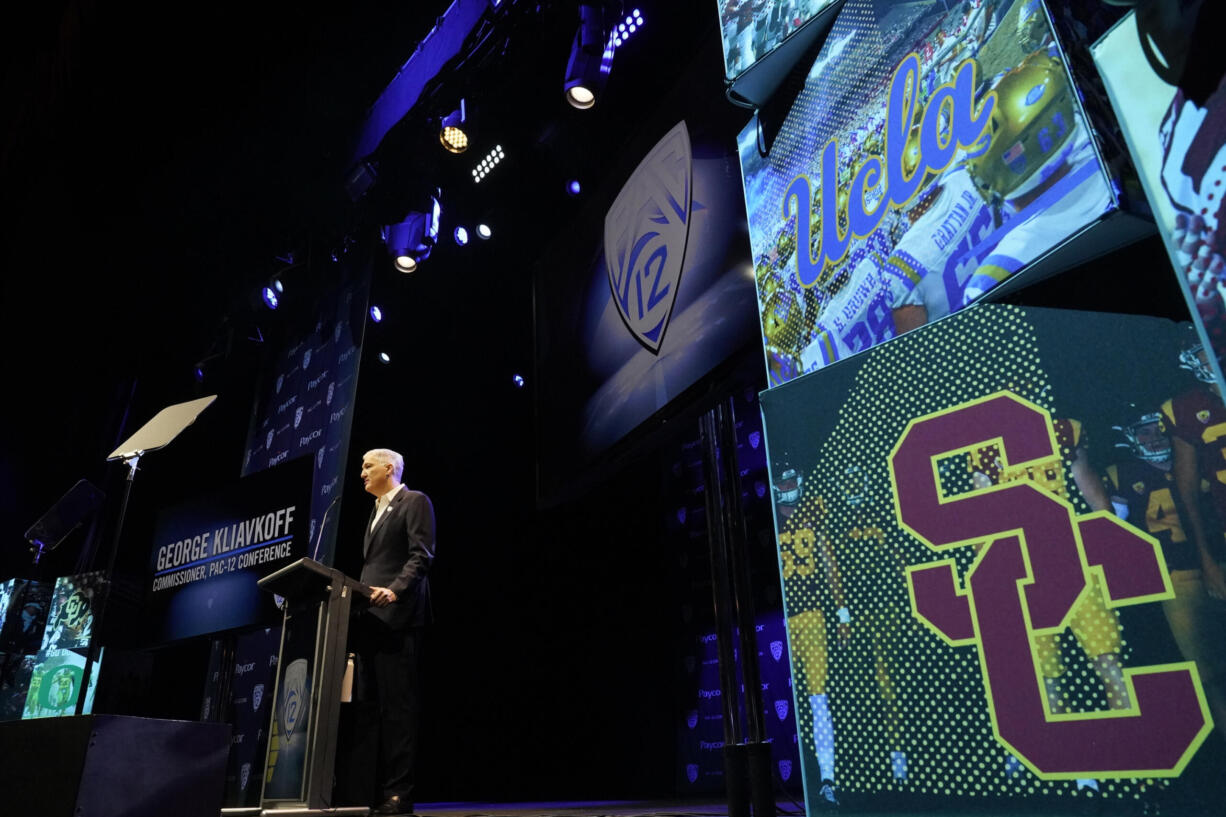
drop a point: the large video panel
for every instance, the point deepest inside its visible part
(936, 150)
(994, 586)
(1179, 148)
(751, 29)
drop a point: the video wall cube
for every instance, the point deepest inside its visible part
(936, 151)
(1001, 583)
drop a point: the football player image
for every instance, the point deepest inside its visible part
(1196, 421)
(807, 561)
(888, 625)
(999, 206)
(1142, 489)
(1095, 626)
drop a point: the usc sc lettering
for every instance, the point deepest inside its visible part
(1034, 559)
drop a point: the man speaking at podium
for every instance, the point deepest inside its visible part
(397, 551)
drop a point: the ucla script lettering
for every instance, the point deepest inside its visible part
(950, 123)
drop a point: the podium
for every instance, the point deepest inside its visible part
(298, 770)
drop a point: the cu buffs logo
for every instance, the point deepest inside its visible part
(645, 235)
(293, 701)
(1033, 557)
(76, 611)
(297, 416)
(257, 696)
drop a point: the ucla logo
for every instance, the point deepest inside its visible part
(297, 416)
(691, 772)
(645, 236)
(777, 650)
(950, 123)
(691, 720)
(244, 774)
(294, 702)
(257, 696)
(280, 381)
(268, 441)
(781, 708)
(785, 769)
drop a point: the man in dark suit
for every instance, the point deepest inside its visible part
(398, 549)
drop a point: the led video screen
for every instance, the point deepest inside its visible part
(751, 29)
(934, 152)
(1179, 149)
(997, 583)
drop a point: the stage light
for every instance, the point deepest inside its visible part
(518, 380)
(484, 231)
(461, 235)
(452, 134)
(632, 23)
(269, 296)
(573, 187)
(199, 374)
(277, 285)
(589, 61)
(376, 314)
(384, 358)
(411, 241)
(488, 163)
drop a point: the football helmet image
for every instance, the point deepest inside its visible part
(1030, 129)
(783, 319)
(1033, 30)
(786, 485)
(1194, 359)
(1143, 436)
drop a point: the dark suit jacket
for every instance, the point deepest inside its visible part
(398, 554)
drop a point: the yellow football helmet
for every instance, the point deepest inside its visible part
(1033, 118)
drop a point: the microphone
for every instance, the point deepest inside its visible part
(322, 522)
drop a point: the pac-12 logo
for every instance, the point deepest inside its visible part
(645, 235)
(293, 701)
(1034, 559)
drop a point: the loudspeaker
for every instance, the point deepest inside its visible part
(112, 766)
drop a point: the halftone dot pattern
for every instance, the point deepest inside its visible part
(910, 712)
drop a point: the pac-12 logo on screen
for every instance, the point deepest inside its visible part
(298, 417)
(1037, 562)
(294, 702)
(645, 236)
(268, 441)
(257, 695)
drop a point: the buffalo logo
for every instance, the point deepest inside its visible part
(244, 774)
(280, 381)
(755, 439)
(297, 416)
(257, 696)
(293, 702)
(1203, 415)
(785, 769)
(319, 458)
(268, 441)
(306, 359)
(691, 720)
(681, 515)
(76, 611)
(777, 650)
(781, 708)
(331, 389)
(645, 235)
(691, 772)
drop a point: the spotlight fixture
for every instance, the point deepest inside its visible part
(484, 231)
(518, 380)
(384, 358)
(376, 314)
(573, 187)
(269, 296)
(278, 286)
(461, 235)
(486, 165)
(451, 132)
(589, 62)
(632, 23)
(411, 241)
